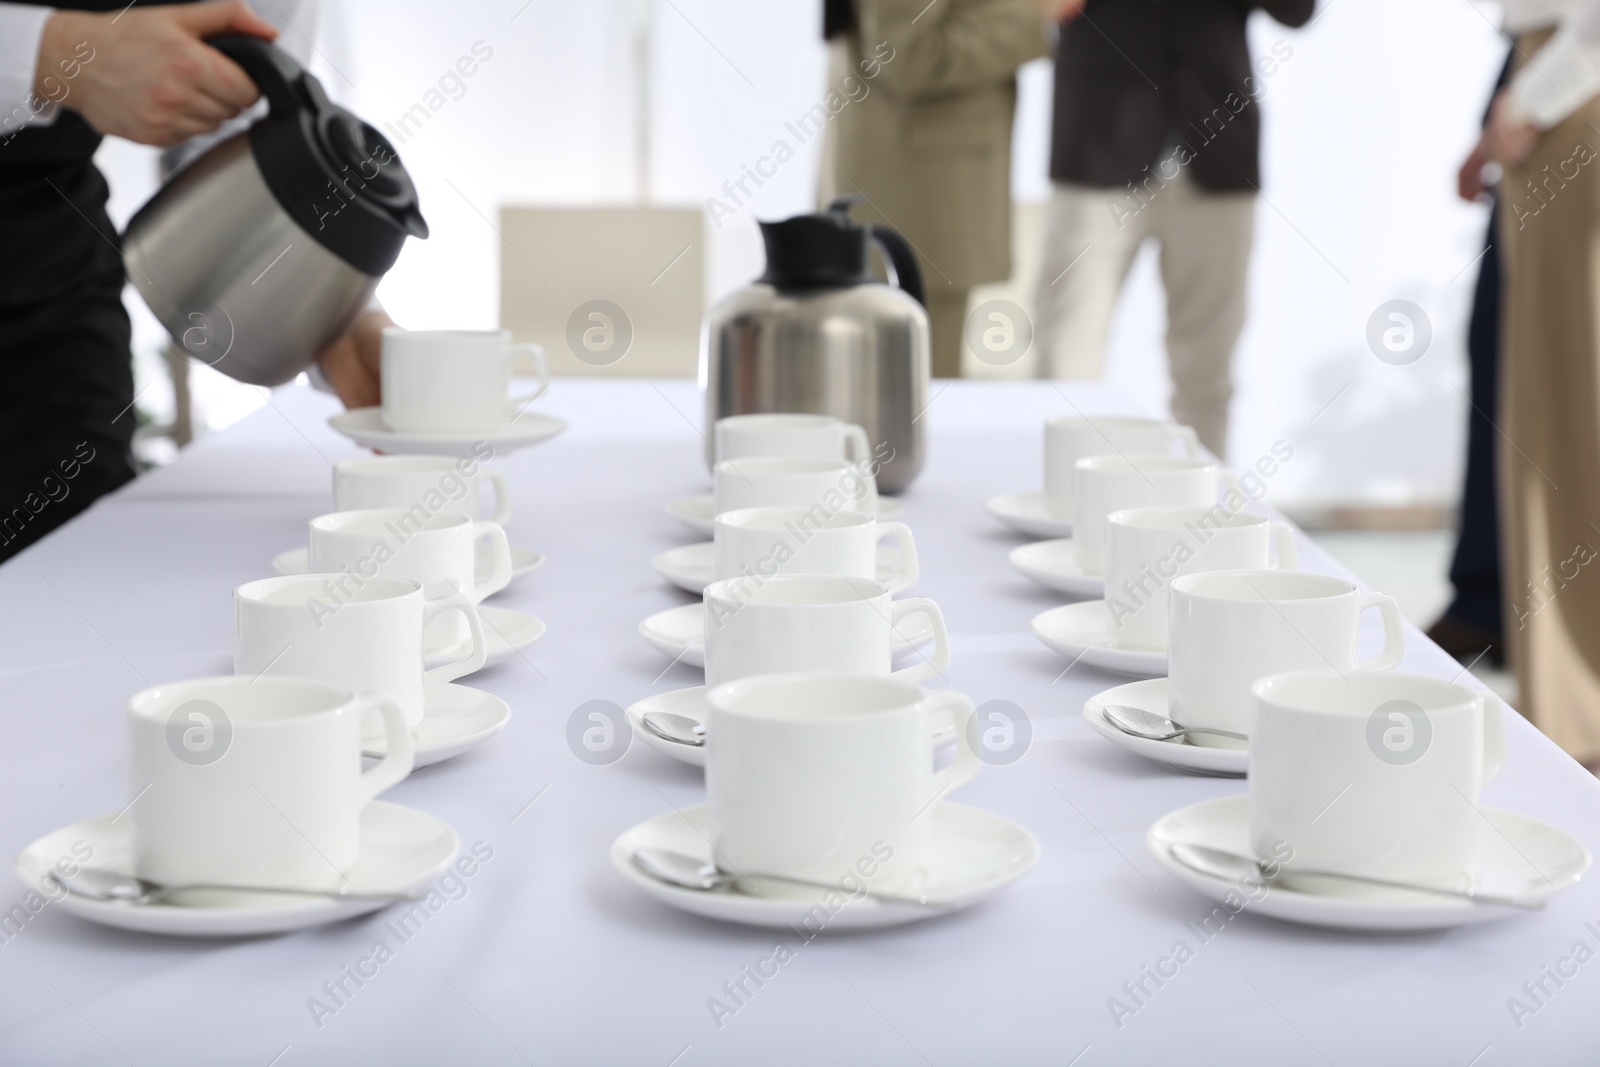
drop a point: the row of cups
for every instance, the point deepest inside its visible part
(328, 664)
(824, 755)
(312, 691)
(1354, 767)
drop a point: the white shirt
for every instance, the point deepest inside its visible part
(1565, 73)
(20, 29)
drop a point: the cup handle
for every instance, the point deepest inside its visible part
(966, 764)
(474, 660)
(1283, 541)
(1191, 441)
(921, 605)
(856, 448)
(500, 576)
(1394, 641)
(541, 368)
(502, 498)
(397, 763)
(1494, 738)
(909, 568)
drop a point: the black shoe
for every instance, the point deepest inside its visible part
(1468, 643)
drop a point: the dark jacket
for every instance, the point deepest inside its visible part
(1134, 76)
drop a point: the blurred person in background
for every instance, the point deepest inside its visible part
(928, 147)
(1470, 628)
(1542, 130)
(72, 73)
(1155, 135)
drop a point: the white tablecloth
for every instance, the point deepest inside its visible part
(551, 958)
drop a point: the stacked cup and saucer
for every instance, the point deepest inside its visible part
(249, 813)
(1166, 509)
(825, 810)
(821, 439)
(1364, 813)
(448, 392)
(1048, 514)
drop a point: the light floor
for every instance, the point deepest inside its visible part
(1413, 567)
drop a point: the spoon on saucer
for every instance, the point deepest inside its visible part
(1153, 727)
(1231, 866)
(679, 729)
(689, 872)
(111, 887)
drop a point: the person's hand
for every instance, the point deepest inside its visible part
(1060, 10)
(1510, 137)
(353, 363)
(144, 74)
(1469, 179)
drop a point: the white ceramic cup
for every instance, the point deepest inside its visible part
(763, 542)
(1148, 547)
(828, 485)
(796, 436)
(1229, 628)
(811, 622)
(1371, 773)
(438, 484)
(254, 781)
(452, 381)
(818, 776)
(1104, 484)
(439, 551)
(369, 643)
(1074, 437)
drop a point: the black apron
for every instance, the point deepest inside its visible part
(66, 402)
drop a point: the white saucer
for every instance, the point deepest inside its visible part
(1029, 513)
(365, 426)
(693, 567)
(1082, 632)
(1194, 755)
(1054, 565)
(690, 702)
(1515, 854)
(506, 631)
(679, 633)
(698, 512)
(402, 850)
(975, 855)
(455, 718)
(524, 561)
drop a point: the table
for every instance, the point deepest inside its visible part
(549, 957)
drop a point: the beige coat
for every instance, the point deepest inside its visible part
(929, 145)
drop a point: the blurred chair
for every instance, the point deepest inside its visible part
(649, 262)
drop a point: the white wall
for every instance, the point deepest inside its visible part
(1364, 128)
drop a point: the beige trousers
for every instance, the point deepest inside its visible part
(1549, 457)
(1090, 241)
(947, 317)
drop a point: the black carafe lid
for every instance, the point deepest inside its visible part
(828, 250)
(337, 177)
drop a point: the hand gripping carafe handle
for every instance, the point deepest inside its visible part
(276, 73)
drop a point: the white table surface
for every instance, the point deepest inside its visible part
(551, 958)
